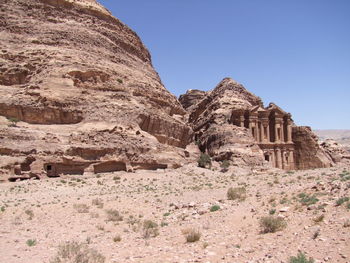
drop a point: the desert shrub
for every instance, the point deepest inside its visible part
(74, 252)
(150, 229)
(97, 202)
(204, 160)
(30, 214)
(117, 238)
(81, 208)
(13, 122)
(319, 218)
(271, 224)
(214, 208)
(300, 258)
(120, 81)
(31, 242)
(113, 215)
(224, 166)
(191, 235)
(306, 199)
(272, 211)
(316, 234)
(237, 193)
(342, 200)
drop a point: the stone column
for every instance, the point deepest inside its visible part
(242, 120)
(277, 135)
(262, 132)
(282, 131)
(291, 160)
(284, 161)
(256, 135)
(278, 158)
(289, 132)
(273, 158)
(268, 132)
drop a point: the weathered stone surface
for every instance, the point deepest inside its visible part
(210, 120)
(336, 151)
(308, 153)
(191, 98)
(230, 123)
(82, 84)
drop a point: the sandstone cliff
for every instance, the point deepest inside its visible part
(230, 123)
(82, 85)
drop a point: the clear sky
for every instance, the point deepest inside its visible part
(295, 53)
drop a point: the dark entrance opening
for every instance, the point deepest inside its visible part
(267, 157)
(49, 167)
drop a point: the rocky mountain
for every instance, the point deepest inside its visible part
(78, 92)
(340, 136)
(230, 123)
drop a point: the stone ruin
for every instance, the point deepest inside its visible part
(231, 123)
(271, 128)
(109, 111)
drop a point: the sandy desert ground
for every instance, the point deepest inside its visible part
(106, 213)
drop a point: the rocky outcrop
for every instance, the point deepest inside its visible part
(72, 75)
(308, 153)
(191, 98)
(336, 151)
(230, 123)
(214, 134)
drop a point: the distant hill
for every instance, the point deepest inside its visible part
(341, 136)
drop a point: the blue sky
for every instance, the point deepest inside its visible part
(295, 53)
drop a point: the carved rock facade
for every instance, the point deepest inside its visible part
(269, 132)
(83, 87)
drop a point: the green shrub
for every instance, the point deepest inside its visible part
(272, 211)
(31, 242)
(237, 193)
(300, 258)
(214, 208)
(306, 199)
(271, 224)
(342, 200)
(13, 122)
(120, 81)
(204, 160)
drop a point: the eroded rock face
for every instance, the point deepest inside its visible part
(336, 151)
(230, 123)
(191, 98)
(70, 65)
(308, 153)
(214, 134)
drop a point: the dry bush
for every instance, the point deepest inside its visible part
(113, 215)
(81, 208)
(117, 238)
(97, 202)
(74, 252)
(237, 193)
(271, 224)
(191, 235)
(150, 229)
